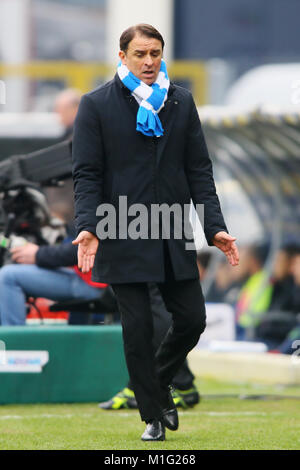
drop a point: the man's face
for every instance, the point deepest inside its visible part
(295, 269)
(143, 58)
(66, 111)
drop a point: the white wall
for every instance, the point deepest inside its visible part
(125, 13)
(15, 48)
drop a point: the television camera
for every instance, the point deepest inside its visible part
(25, 215)
(24, 211)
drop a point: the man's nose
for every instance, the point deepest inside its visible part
(148, 60)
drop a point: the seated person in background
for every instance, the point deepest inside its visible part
(284, 279)
(255, 296)
(280, 327)
(221, 284)
(227, 282)
(203, 260)
(48, 271)
(295, 271)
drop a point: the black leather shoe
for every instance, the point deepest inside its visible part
(170, 418)
(170, 414)
(155, 431)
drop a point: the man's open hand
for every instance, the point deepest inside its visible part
(87, 247)
(225, 243)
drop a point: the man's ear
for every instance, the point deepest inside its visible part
(122, 56)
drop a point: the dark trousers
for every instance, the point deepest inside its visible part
(162, 320)
(151, 373)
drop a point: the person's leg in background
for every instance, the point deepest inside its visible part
(18, 281)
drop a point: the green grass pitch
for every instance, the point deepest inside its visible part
(222, 420)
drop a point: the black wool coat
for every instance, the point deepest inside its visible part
(112, 159)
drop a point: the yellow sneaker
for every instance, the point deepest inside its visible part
(125, 399)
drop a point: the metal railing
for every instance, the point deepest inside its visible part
(84, 76)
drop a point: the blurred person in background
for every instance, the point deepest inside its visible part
(66, 106)
(61, 198)
(228, 282)
(279, 327)
(220, 284)
(48, 271)
(295, 271)
(282, 278)
(203, 260)
(255, 295)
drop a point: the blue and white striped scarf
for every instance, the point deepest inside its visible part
(151, 97)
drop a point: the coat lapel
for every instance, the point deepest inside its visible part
(167, 117)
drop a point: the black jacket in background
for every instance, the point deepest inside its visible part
(57, 256)
(60, 255)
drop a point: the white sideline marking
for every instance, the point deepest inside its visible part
(126, 415)
(208, 413)
(44, 415)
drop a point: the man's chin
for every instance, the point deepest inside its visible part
(148, 81)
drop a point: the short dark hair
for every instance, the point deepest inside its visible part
(142, 29)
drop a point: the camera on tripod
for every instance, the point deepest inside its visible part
(24, 211)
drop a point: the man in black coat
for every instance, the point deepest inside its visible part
(117, 165)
